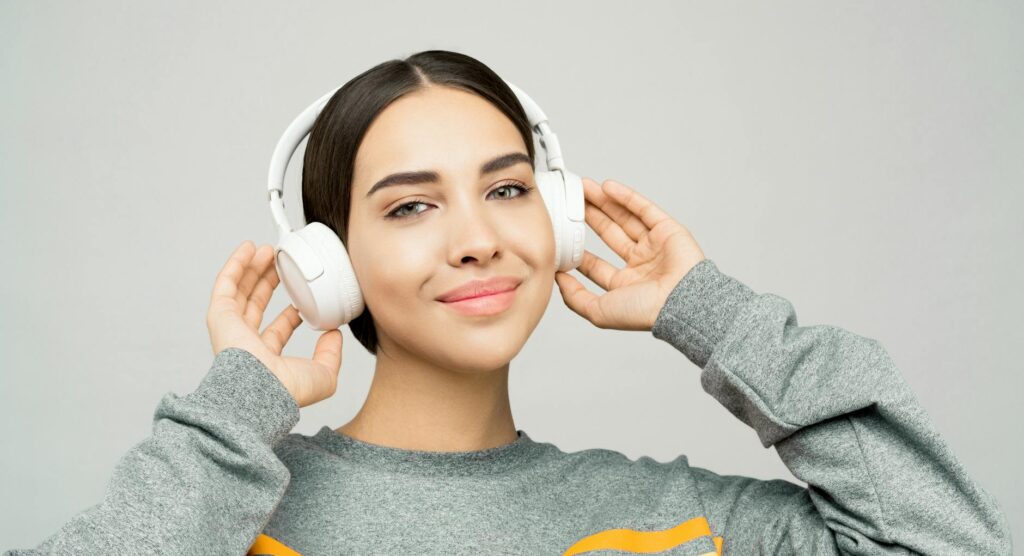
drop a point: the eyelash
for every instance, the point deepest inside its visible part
(522, 187)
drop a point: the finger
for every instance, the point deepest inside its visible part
(328, 350)
(609, 231)
(278, 332)
(577, 298)
(620, 215)
(598, 270)
(260, 297)
(592, 190)
(649, 213)
(225, 286)
(257, 266)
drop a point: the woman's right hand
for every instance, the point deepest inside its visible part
(241, 293)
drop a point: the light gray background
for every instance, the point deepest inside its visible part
(861, 159)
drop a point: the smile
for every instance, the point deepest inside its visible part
(484, 305)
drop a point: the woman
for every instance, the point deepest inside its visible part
(433, 463)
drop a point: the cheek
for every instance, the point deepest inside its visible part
(392, 269)
(535, 239)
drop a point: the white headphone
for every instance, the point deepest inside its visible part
(312, 261)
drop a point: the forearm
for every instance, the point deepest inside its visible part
(840, 416)
(205, 482)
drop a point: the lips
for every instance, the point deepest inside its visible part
(480, 288)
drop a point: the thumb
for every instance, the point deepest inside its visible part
(328, 349)
(576, 296)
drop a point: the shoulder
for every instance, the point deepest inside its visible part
(295, 448)
(774, 515)
(610, 469)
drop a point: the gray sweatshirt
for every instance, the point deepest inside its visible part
(221, 474)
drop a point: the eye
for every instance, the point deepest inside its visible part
(399, 212)
(516, 185)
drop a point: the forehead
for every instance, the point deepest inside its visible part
(437, 128)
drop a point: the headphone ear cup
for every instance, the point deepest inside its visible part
(575, 222)
(563, 196)
(317, 273)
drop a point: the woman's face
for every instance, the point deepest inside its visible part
(464, 226)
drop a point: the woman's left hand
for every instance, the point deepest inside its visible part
(658, 252)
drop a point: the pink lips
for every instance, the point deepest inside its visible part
(482, 297)
(475, 288)
(484, 305)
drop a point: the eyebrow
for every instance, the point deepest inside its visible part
(427, 176)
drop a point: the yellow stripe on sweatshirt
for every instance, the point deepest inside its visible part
(620, 539)
(645, 541)
(269, 546)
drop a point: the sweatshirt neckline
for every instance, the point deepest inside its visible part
(489, 461)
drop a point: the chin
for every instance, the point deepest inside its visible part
(470, 356)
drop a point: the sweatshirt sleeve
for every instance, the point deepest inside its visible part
(205, 482)
(880, 479)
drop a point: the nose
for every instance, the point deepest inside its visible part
(473, 235)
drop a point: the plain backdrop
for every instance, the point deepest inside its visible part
(861, 159)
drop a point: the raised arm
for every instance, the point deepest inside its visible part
(205, 482)
(881, 480)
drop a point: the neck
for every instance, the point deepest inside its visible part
(416, 404)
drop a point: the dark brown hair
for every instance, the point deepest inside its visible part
(339, 129)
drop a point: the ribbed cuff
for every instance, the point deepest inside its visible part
(240, 385)
(700, 310)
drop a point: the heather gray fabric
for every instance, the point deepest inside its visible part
(222, 468)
